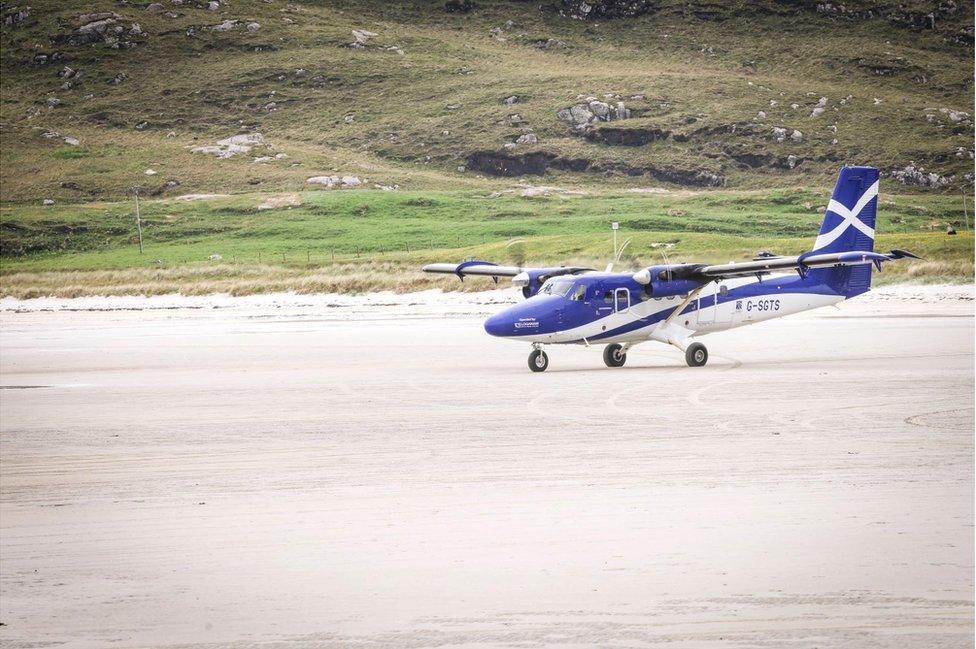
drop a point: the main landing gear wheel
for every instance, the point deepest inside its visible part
(614, 356)
(696, 355)
(538, 361)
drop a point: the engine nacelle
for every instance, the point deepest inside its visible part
(669, 280)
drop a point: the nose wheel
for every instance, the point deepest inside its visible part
(696, 355)
(538, 361)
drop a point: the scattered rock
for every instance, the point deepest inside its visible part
(335, 181)
(234, 145)
(225, 26)
(213, 5)
(213, 257)
(796, 136)
(68, 73)
(877, 102)
(761, 115)
(361, 37)
(958, 115)
(913, 175)
(47, 201)
(169, 184)
(155, 7)
(528, 138)
(549, 43)
(72, 141)
(779, 134)
(150, 172)
(15, 16)
(582, 116)
(515, 119)
(53, 102)
(817, 112)
(119, 78)
(253, 27)
(509, 101)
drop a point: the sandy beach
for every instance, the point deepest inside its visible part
(320, 471)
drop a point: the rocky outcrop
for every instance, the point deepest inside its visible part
(916, 176)
(624, 136)
(16, 16)
(231, 146)
(458, 6)
(598, 9)
(334, 182)
(102, 27)
(585, 114)
(494, 163)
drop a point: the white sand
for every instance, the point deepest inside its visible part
(281, 473)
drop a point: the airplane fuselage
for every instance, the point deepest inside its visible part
(613, 308)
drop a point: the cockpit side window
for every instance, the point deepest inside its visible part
(579, 293)
(557, 287)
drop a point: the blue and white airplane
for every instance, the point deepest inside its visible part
(672, 303)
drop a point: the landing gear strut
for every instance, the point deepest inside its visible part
(696, 355)
(615, 355)
(538, 361)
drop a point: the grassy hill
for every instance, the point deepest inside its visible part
(454, 106)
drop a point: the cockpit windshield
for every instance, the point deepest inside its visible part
(557, 287)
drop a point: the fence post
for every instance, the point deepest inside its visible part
(138, 221)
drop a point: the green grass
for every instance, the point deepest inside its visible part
(362, 231)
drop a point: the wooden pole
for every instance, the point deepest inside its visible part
(965, 211)
(138, 221)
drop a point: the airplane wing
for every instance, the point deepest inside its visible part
(765, 265)
(474, 267)
(488, 269)
(530, 280)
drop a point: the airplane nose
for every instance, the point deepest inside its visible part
(500, 324)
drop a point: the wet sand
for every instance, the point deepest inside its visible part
(388, 476)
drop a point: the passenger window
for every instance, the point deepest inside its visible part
(723, 290)
(608, 297)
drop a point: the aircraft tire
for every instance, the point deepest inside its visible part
(538, 361)
(612, 356)
(696, 355)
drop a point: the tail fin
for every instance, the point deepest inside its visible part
(849, 225)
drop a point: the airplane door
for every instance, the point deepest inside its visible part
(621, 300)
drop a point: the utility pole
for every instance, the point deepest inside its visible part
(965, 212)
(138, 221)
(614, 225)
